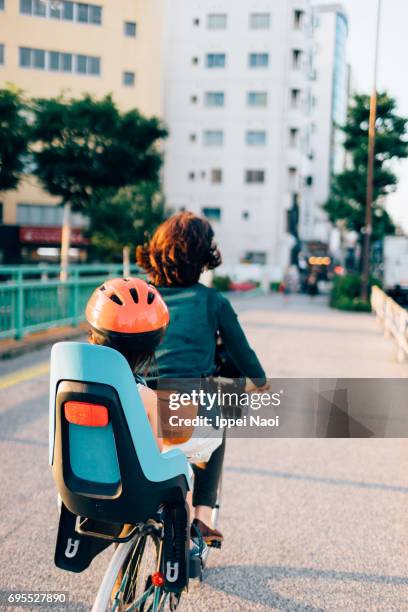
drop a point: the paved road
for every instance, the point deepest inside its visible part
(309, 524)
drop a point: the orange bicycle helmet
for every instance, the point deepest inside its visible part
(125, 308)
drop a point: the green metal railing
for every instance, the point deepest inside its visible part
(52, 271)
(34, 305)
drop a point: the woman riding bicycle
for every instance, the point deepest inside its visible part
(179, 251)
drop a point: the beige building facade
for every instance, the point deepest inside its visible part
(49, 47)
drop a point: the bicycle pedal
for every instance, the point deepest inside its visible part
(214, 544)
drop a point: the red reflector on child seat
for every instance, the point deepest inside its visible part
(89, 415)
(157, 579)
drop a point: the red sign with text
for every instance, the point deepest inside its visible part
(50, 235)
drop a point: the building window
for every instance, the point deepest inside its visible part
(255, 138)
(38, 58)
(39, 215)
(217, 21)
(214, 98)
(66, 59)
(196, 22)
(56, 61)
(216, 176)
(258, 60)
(254, 176)
(26, 7)
(193, 137)
(45, 215)
(211, 212)
(2, 9)
(257, 98)
(83, 13)
(298, 17)
(128, 79)
(191, 176)
(245, 215)
(69, 11)
(215, 60)
(94, 66)
(25, 57)
(213, 138)
(260, 21)
(80, 64)
(194, 60)
(293, 137)
(1, 54)
(130, 29)
(193, 99)
(296, 59)
(309, 181)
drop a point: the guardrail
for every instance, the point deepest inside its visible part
(52, 271)
(393, 318)
(36, 305)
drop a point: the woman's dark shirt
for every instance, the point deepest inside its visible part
(188, 348)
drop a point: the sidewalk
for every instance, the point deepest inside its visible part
(12, 348)
(305, 338)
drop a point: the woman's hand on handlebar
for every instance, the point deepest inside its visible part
(250, 387)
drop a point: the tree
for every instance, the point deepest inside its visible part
(13, 138)
(124, 218)
(347, 200)
(82, 146)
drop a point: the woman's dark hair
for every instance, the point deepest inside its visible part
(180, 249)
(139, 359)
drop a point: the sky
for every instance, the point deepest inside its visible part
(392, 70)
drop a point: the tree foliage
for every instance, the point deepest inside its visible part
(347, 201)
(124, 218)
(13, 138)
(82, 146)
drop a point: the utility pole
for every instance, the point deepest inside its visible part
(370, 168)
(65, 242)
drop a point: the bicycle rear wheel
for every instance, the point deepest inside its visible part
(127, 585)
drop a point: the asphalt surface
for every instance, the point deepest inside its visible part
(309, 524)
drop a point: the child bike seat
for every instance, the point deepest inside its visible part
(104, 458)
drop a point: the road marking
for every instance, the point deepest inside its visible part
(23, 375)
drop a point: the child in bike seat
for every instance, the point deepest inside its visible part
(130, 316)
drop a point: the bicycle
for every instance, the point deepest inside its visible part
(114, 484)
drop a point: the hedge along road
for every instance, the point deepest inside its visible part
(309, 524)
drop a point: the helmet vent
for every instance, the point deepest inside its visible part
(103, 288)
(115, 298)
(134, 295)
(150, 297)
(126, 280)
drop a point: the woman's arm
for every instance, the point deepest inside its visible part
(238, 348)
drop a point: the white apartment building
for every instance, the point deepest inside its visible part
(330, 96)
(237, 102)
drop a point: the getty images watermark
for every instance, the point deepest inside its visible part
(209, 401)
(290, 408)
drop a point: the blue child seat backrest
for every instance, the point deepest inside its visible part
(93, 452)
